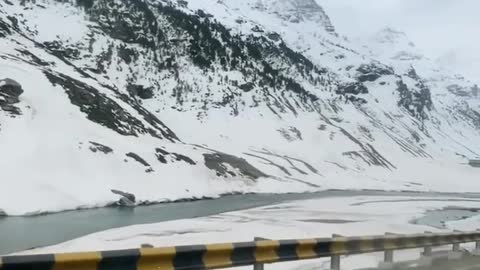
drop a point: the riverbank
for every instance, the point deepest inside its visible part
(352, 215)
(21, 233)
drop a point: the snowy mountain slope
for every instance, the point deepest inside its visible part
(415, 77)
(170, 100)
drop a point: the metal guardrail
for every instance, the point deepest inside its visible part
(227, 255)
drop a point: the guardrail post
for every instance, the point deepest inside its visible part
(335, 259)
(455, 253)
(427, 251)
(477, 243)
(476, 251)
(426, 256)
(387, 256)
(259, 266)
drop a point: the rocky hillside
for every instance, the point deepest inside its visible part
(167, 100)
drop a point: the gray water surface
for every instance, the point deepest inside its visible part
(20, 233)
(438, 218)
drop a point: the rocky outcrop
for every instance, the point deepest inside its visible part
(105, 111)
(227, 166)
(372, 72)
(97, 147)
(127, 199)
(4, 29)
(353, 88)
(10, 92)
(140, 91)
(417, 101)
(165, 157)
(138, 159)
(291, 134)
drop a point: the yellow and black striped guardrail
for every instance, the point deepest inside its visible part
(227, 255)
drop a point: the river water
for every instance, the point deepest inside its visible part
(20, 233)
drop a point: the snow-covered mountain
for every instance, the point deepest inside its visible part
(184, 99)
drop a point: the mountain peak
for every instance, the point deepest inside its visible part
(393, 44)
(296, 11)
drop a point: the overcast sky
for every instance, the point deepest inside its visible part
(440, 28)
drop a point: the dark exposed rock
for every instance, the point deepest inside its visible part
(415, 102)
(106, 112)
(10, 92)
(372, 72)
(104, 59)
(62, 51)
(247, 87)
(291, 134)
(355, 99)
(14, 21)
(257, 29)
(368, 77)
(138, 159)
(97, 106)
(127, 199)
(217, 162)
(100, 147)
(162, 151)
(140, 91)
(161, 158)
(4, 29)
(85, 3)
(11, 109)
(9, 87)
(203, 14)
(161, 155)
(274, 36)
(126, 54)
(353, 88)
(33, 57)
(182, 3)
(180, 157)
(412, 73)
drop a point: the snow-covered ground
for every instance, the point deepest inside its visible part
(349, 216)
(49, 154)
